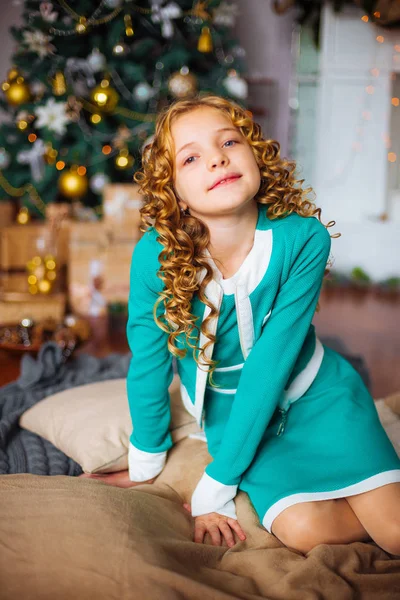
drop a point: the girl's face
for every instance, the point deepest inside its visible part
(209, 147)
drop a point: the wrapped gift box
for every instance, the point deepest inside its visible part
(21, 305)
(13, 282)
(6, 213)
(6, 218)
(88, 243)
(98, 268)
(57, 212)
(117, 271)
(19, 243)
(121, 204)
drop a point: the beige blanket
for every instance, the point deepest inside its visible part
(67, 538)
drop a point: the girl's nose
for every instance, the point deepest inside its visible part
(219, 160)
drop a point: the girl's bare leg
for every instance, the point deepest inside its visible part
(379, 512)
(308, 524)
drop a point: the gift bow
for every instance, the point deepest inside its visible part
(34, 158)
(121, 201)
(164, 15)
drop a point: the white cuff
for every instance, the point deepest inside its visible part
(212, 496)
(198, 436)
(144, 465)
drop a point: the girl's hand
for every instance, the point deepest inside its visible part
(215, 524)
(119, 479)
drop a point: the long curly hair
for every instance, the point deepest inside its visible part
(185, 237)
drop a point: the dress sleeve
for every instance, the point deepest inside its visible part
(266, 371)
(150, 371)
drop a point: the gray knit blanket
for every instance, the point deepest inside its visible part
(24, 452)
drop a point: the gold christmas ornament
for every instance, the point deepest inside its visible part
(182, 83)
(205, 40)
(59, 84)
(73, 185)
(81, 27)
(128, 26)
(17, 91)
(104, 96)
(23, 216)
(124, 160)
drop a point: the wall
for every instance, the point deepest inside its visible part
(266, 37)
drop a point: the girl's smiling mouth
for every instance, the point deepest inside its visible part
(226, 181)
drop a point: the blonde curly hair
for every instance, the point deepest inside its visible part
(184, 237)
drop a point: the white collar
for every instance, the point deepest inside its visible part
(242, 283)
(252, 269)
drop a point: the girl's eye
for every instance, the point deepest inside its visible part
(234, 141)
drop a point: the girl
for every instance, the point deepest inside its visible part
(226, 278)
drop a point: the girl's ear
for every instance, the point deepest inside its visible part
(182, 205)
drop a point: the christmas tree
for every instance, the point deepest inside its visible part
(87, 81)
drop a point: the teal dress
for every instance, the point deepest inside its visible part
(290, 420)
(330, 444)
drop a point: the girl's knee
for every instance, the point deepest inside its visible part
(299, 526)
(307, 525)
(299, 537)
(389, 538)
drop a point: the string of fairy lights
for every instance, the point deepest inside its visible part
(366, 115)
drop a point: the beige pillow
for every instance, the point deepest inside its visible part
(92, 424)
(390, 422)
(393, 402)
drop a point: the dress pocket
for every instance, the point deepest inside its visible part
(265, 319)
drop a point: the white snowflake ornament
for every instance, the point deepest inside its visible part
(53, 116)
(38, 42)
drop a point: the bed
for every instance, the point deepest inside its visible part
(64, 537)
